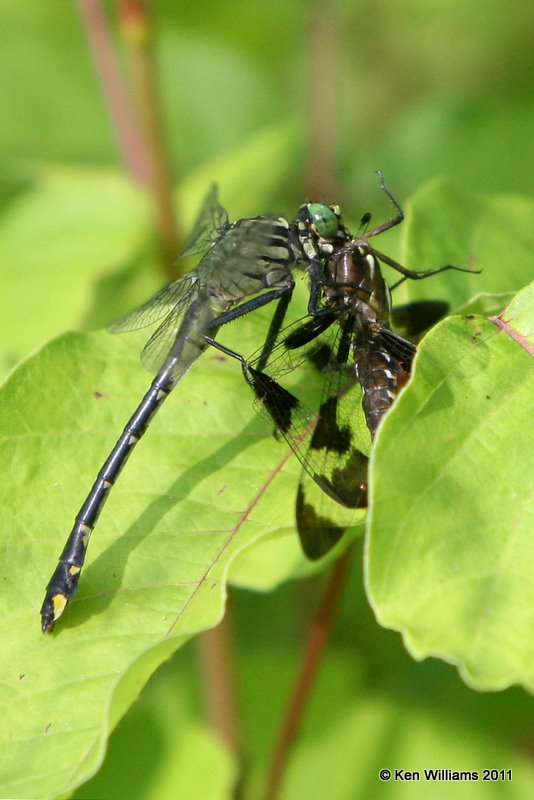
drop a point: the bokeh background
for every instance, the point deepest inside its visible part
(278, 103)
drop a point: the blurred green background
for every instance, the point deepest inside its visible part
(277, 102)
(416, 88)
(297, 100)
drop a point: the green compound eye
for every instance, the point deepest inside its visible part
(326, 222)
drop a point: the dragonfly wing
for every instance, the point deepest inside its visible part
(326, 442)
(401, 349)
(210, 224)
(212, 220)
(158, 346)
(174, 296)
(296, 344)
(334, 462)
(321, 522)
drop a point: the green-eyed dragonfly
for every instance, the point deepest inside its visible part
(244, 266)
(348, 335)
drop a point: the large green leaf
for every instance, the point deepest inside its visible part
(450, 551)
(206, 481)
(206, 485)
(62, 232)
(446, 225)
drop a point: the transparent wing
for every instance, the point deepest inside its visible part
(158, 346)
(209, 228)
(177, 295)
(326, 442)
(210, 224)
(299, 343)
(402, 350)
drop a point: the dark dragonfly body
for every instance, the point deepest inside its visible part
(361, 302)
(251, 258)
(363, 362)
(244, 266)
(348, 335)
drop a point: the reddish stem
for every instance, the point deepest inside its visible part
(140, 133)
(137, 30)
(215, 648)
(314, 649)
(129, 137)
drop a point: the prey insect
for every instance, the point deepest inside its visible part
(364, 362)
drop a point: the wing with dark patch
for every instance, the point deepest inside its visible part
(338, 468)
(327, 442)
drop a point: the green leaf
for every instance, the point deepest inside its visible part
(206, 481)
(64, 231)
(207, 494)
(450, 550)
(445, 225)
(359, 739)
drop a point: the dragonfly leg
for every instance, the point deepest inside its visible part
(283, 294)
(251, 305)
(413, 274)
(274, 329)
(226, 350)
(249, 372)
(391, 223)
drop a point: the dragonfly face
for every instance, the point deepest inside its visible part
(320, 229)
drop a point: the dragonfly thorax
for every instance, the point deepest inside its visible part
(353, 279)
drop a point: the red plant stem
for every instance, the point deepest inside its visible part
(137, 29)
(140, 133)
(314, 649)
(322, 94)
(129, 137)
(216, 662)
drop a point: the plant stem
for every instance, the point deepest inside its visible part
(137, 30)
(322, 94)
(216, 651)
(129, 137)
(314, 649)
(139, 134)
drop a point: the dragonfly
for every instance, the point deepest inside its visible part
(348, 334)
(244, 265)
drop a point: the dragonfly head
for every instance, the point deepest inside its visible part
(322, 224)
